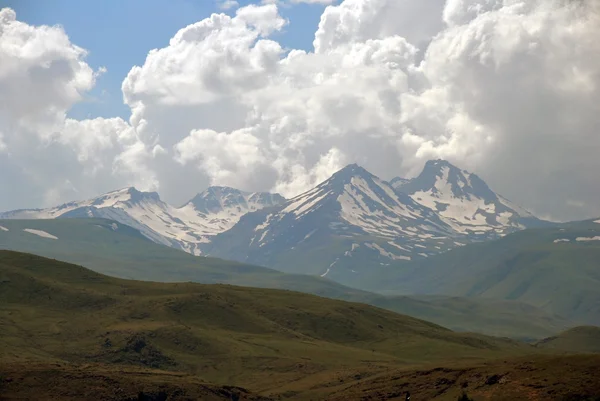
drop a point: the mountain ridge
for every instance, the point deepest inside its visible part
(353, 211)
(184, 228)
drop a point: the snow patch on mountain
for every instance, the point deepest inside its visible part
(305, 203)
(40, 233)
(385, 253)
(586, 239)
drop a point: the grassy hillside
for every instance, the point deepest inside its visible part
(584, 339)
(502, 318)
(117, 250)
(548, 268)
(69, 333)
(52, 312)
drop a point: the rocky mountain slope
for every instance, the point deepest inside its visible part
(353, 216)
(464, 201)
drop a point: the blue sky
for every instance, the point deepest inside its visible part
(119, 33)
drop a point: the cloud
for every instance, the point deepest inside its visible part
(288, 2)
(360, 20)
(506, 88)
(45, 157)
(228, 4)
(512, 95)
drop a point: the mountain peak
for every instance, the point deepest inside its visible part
(216, 199)
(128, 194)
(440, 164)
(346, 174)
(355, 168)
(441, 176)
(215, 190)
(462, 198)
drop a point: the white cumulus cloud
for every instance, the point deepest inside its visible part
(506, 88)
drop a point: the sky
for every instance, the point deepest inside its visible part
(119, 34)
(278, 95)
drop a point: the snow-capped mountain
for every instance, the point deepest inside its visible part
(213, 211)
(349, 224)
(354, 215)
(231, 202)
(464, 201)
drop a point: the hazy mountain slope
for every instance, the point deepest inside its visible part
(121, 251)
(584, 339)
(118, 250)
(240, 336)
(213, 211)
(464, 201)
(557, 269)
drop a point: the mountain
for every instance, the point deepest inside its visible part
(213, 211)
(464, 201)
(350, 220)
(556, 269)
(352, 223)
(355, 224)
(118, 250)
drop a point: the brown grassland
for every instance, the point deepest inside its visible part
(69, 333)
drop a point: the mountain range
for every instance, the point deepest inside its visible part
(353, 220)
(187, 227)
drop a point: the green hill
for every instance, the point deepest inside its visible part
(556, 269)
(53, 312)
(584, 339)
(120, 251)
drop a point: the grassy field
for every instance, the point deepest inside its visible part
(68, 332)
(119, 251)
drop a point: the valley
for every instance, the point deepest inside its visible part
(117, 250)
